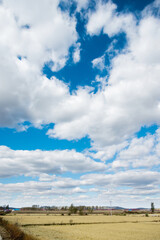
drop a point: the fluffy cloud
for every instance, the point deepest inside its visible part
(48, 36)
(108, 152)
(106, 19)
(33, 163)
(130, 98)
(76, 53)
(38, 188)
(130, 178)
(141, 152)
(99, 63)
(31, 37)
(129, 188)
(110, 117)
(82, 4)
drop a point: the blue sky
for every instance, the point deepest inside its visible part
(80, 103)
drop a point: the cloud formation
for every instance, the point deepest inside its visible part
(130, 98)
(130, 187)
(33, 163)
(125, 100)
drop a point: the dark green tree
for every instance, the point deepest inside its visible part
(81, 210)
(73, 209)
(152, 207)
(90, 210)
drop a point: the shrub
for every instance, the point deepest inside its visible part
(2, 213)
(14, 231)
(71, 221)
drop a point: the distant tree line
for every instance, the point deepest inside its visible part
(81, 210)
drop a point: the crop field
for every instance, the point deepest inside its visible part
(91, 227)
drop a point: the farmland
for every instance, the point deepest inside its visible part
(91, 227)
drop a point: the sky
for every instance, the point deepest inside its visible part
(80, 103)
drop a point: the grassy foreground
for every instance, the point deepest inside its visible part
(14, 232)
(92, 227)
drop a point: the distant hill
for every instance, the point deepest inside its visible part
(121, 208)
(113, 207)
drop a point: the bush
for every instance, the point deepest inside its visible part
(2, 213)
(71, 221)
(14, 231)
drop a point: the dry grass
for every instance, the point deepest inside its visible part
(134, 227)
(119, 231)
(14, 231)
(54, 219)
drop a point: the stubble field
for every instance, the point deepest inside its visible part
(92, 227)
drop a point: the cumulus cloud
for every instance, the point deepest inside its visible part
(122, 187)
(105, 18)
(141, 152)
(99, 63)
(48, 37)
(34, 163)
(38, 188)
(107, 152)
(82, 4)
(130, 178)
(76, 53)
(130, 98)
(32, 37)
(110, 116)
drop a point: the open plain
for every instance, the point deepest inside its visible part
(91, 227)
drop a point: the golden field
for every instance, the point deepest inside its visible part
(92, 227)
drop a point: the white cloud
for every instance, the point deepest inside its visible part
(152, 9)
(44, 177)
(128, 100)
(25, 94)
(131, 97)
(120, 187)
(33, 188)
(49, 37)
(106, 19)
(82, 4)
(34, 163)
(141, 152)
(76, 53)
(99, 63)
(107, 152)
(130, 178)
